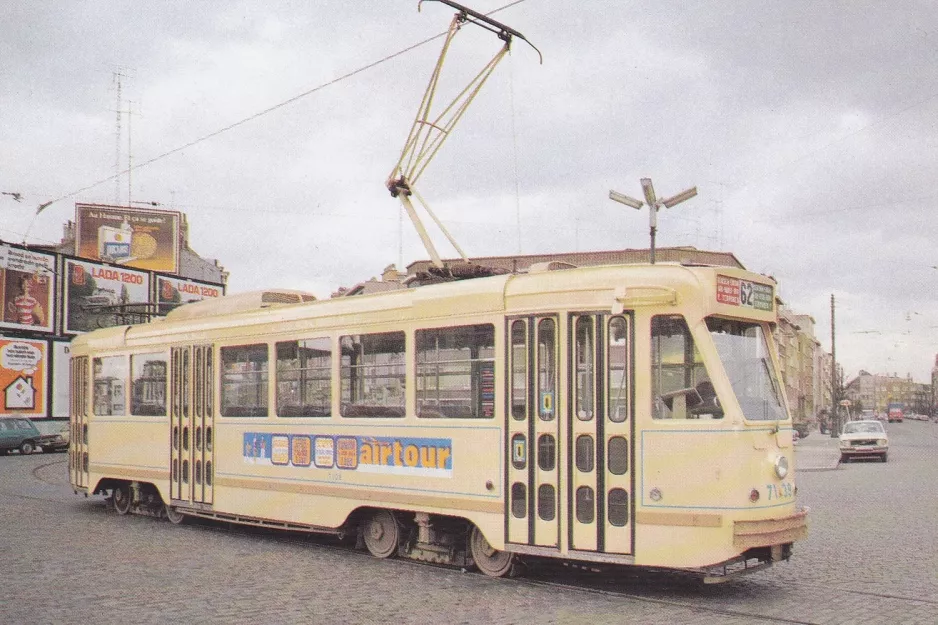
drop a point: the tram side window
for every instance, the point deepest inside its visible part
(681, 388)
(148, 384)
(110, 385)
(585, 368)
(519, 370)
(456, 372)
(244, 381)
(304, 378)
(617, 384)
(372, 375)
(546, 368)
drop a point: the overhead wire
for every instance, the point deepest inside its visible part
(266, 111)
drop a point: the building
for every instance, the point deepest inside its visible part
(794, 339)
(875, 392)
(934, 389)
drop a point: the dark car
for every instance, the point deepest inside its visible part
(18, 433)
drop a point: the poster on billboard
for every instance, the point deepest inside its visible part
(26, 286)
(60, 372)
(23, 370)
(132, 237)
(173, 292)
(100, 296)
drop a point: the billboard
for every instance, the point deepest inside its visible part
(172, 292)
(145, 239)
(26, 286)
(101, 296)
(60, 371)
(23, 374)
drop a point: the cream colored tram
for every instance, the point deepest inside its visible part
(618, 414)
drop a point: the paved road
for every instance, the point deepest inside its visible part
(872, 557)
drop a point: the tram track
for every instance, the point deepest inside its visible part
(590, 585)
(35, 472)
(551, 569)
(593, 583)
(868, 593)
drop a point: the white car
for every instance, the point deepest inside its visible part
(863, 439)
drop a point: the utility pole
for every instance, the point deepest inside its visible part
(835, 418)
(654, 205)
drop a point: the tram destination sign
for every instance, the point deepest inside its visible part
(738, 292)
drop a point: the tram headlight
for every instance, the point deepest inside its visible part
(781, 467)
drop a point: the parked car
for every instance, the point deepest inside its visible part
(864, 439)
(18, 433)
(56, 442)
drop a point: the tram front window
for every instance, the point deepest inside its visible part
(743, 348)
(681, 386)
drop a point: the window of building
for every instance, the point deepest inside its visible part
(110, 385)
(304, 378)
(456, 372)
(372, 375)
(244, 381)
(148, 384)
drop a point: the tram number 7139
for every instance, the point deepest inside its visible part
(785, 490)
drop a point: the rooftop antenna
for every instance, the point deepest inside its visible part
(428, 134)
(119, 75)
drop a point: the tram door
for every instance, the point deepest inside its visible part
(598, 479)
(533, 476)
(78, 421)
(192, 429)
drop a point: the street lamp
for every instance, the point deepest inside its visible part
(654, 205)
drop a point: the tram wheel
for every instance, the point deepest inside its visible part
(175, 516)
(489, 560)
(121, 498)
(381, 534)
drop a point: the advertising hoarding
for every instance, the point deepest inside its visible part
(101, 296)
(132, 237)
(26, 287)
(23, 374)
(172, 292)
(60, 390)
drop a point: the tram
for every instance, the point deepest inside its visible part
(622, 414)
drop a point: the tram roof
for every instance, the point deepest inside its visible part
(597, 286)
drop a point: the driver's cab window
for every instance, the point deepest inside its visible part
(681, 388)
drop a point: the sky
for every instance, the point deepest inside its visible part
(809, 127)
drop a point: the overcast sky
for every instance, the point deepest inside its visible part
(808, 127)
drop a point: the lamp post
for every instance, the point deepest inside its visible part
(654, 205)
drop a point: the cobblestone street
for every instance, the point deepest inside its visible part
(871, 557)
